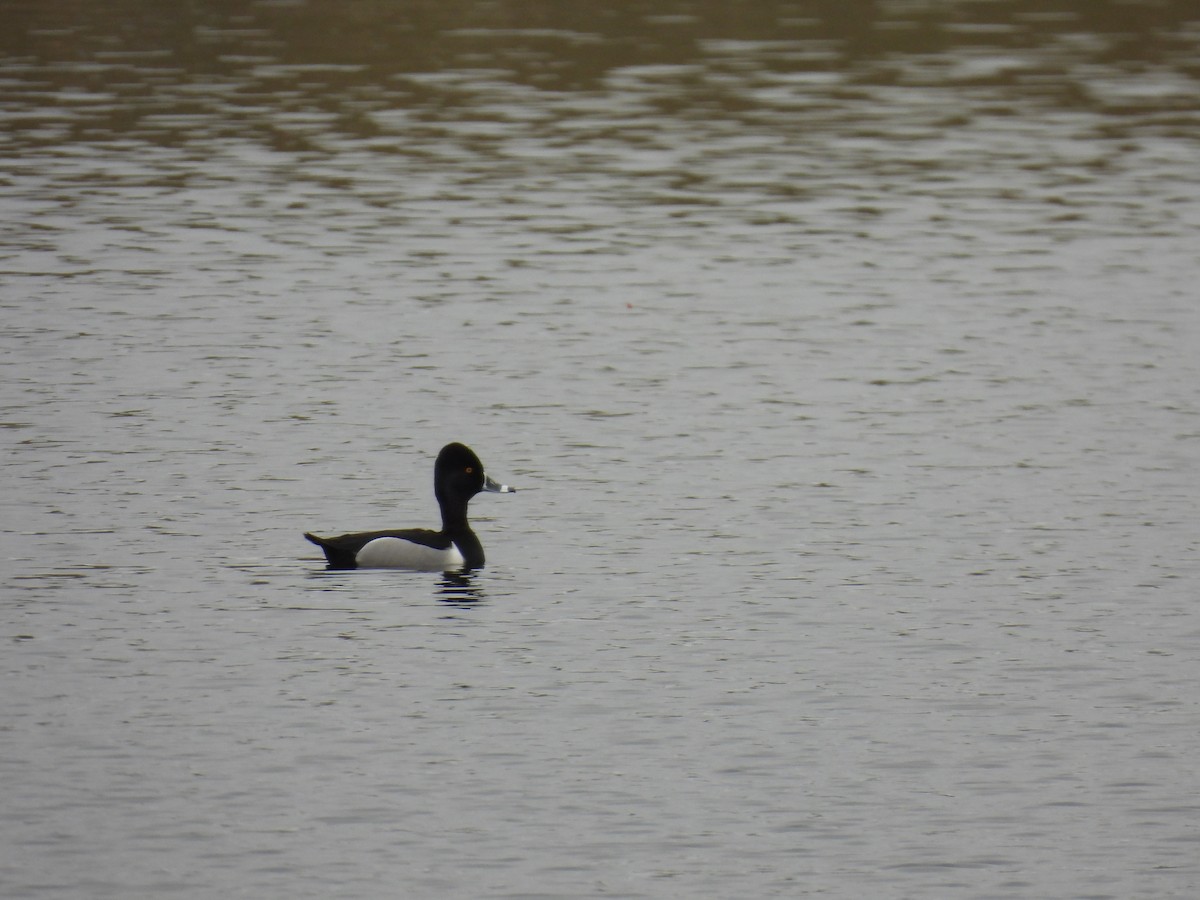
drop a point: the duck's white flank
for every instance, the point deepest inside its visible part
(397, 553)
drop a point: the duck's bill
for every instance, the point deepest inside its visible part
(491, 484)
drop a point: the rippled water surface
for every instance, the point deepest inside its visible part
(844, 357)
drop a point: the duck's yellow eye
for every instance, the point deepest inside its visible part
(469, 470)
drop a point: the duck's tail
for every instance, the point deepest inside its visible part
(334, 555)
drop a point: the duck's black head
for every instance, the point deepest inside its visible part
(458, 476)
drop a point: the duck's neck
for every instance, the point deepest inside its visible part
(456, 528)
(468, 545)
(453, 521)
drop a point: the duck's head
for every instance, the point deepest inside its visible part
(458, 475)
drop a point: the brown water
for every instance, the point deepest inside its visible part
(844, 354)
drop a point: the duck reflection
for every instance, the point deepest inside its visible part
(459, 589)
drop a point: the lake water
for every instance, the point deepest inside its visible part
(844, 357)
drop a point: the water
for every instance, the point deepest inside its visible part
(845, 360)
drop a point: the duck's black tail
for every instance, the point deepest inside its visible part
(337, 557)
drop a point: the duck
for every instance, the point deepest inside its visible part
(457, 477)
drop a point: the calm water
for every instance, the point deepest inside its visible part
(845, 356)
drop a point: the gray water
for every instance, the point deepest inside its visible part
(844, 358)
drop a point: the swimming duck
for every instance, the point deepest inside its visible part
(457, 477)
